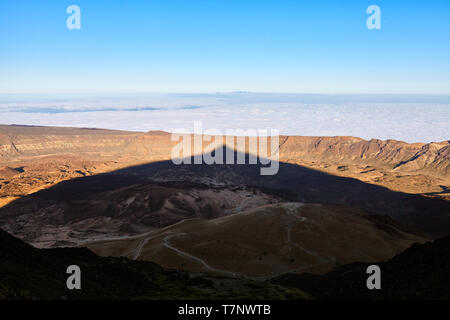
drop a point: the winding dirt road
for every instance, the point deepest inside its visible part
(167, 244)
(290, 208)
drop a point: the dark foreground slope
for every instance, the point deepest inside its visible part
(420, 272)
(30, 273)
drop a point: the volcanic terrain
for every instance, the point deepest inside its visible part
(334, 200)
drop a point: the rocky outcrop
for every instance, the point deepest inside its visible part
(7, 172)
(432, 158)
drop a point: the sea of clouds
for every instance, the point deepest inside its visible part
(407, 118)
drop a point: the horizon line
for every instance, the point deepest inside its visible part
(230, 92)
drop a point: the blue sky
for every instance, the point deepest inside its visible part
(221, 46)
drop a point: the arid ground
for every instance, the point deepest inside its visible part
(335, 200)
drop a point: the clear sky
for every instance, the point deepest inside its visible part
(219, 46)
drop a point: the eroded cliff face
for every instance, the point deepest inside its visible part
(17, 141)
(420, 168)
(432, 158)
(39, 157)
(23, 141)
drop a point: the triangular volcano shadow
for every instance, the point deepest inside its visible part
(292, 182)
(224, 155)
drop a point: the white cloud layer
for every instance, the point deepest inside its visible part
(406, 121)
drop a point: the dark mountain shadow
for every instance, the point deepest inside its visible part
(292, 182)
(420, 272)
